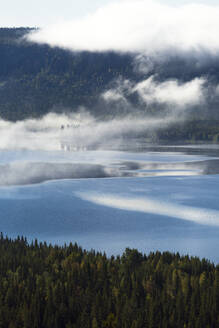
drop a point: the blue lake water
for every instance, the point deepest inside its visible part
(165, 202)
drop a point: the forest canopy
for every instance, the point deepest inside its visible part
(52, 286)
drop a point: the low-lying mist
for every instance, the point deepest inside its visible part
(160, 106)
(30, 172)
(81, 133)
(77, 131)
(23, 173)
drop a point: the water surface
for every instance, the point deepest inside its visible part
(150, 200)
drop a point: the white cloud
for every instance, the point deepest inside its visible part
(116, 96)
(150, 91)
(139, 26)
(171, 92)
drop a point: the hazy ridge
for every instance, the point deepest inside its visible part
(36, 79)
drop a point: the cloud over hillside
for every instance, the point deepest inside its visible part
(139, 26)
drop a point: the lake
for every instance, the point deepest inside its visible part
(154, 198)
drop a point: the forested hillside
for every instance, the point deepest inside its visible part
(37, 79)
(50, 286)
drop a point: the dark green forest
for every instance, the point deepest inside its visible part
(51, 286)
(36, 79)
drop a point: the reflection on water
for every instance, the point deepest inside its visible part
(23, 168)
(150, 200)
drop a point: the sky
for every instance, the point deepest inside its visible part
(41, 13)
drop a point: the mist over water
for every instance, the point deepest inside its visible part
(102, 196)
(78, 145)
(79, 131)
(75, 146)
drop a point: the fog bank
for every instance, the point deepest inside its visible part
(78, 131)
(142, 26)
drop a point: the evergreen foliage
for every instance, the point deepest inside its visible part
(51, 286)
(36, 79)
